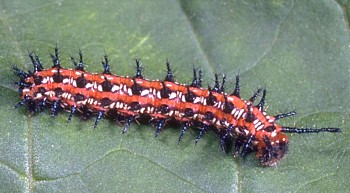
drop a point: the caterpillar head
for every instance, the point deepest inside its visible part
(272, 149)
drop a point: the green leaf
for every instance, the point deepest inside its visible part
(298, 50)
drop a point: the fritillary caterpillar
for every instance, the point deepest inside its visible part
(131, 98)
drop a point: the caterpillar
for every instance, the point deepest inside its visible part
(131, 98)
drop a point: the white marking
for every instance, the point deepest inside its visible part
(235, 114)
(240, 113)
(183, 98)
(142, 110)
(255, 121)
(120, 87)
(217, 105)
(260, 127)
(39, 95)
(226, 123)
(77, 73)
(179, 94)
(50, 79)
(129, 92)
(171, 113)
(65, 81)
(44, 81)
(246, 131)
(88, 85)
(237, 130)
(95, 85)
(91, 101)
(181, 115)
(257, 124)
(111, 106)
(197, 100)
(74, 83)
(221, 105)
(115, 88)
(125, 89)
(274, 134)
(169, 85)
(51, 93)
(172, 95)
(99, 88)
(158, 95)
(144, 92)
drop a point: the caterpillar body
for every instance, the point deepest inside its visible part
(131, 98)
